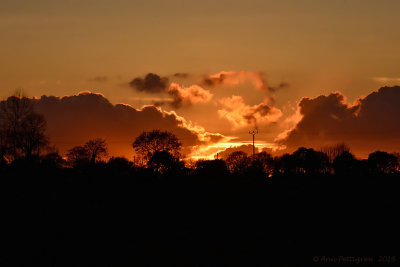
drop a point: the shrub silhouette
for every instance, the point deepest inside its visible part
(383, 162)
(52, 160)
(263, 163)
(119, 163)
(238, 162)
(163, 162)
(302, 161)
(345, 163)
(285, 164)
(216, 167)
(309, 161)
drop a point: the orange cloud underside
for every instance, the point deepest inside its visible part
(371, 123)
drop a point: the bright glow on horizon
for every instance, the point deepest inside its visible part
(203, 153)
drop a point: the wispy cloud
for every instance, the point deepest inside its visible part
(234, 78)
(386, 79)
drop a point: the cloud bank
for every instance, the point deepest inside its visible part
(72, 120)
(370, 124)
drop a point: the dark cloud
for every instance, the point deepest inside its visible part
(72, 120)
(214, 81)
(181, 95)
(177, 98)
(278, 87)
(372, 123)
(262, 110)
(152, 83)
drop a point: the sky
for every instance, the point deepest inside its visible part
(243, 65)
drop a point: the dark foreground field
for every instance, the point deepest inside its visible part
(104, 217)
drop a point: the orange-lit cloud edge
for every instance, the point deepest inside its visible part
(367, 124)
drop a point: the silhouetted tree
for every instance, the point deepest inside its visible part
(238, 162)
(215, 167)
(397, 155)
(4, 146)
(119, 163)
(335, 150)
(147, 143)
(263, 162)
(22, 129)
(310, 161)
(96, 149)
(90, 152)
(32, 137)
(383, 162)
(52, 160)
(78, 154)
(14, 111)
(345, 163)
(286, 164)
(163, 162)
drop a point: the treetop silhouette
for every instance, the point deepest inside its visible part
(92, 151)
(147, 143)
(22, 130)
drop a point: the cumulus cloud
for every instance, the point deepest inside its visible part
(151, 83)
(72, 120)
(234, 78)
(188, 95)
(240, 114)
(370, 124)
(181, 95)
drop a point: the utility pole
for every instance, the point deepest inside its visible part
(253, 133)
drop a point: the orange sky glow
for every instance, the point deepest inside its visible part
(303, 73)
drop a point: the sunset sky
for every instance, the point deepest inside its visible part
(302, 72)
